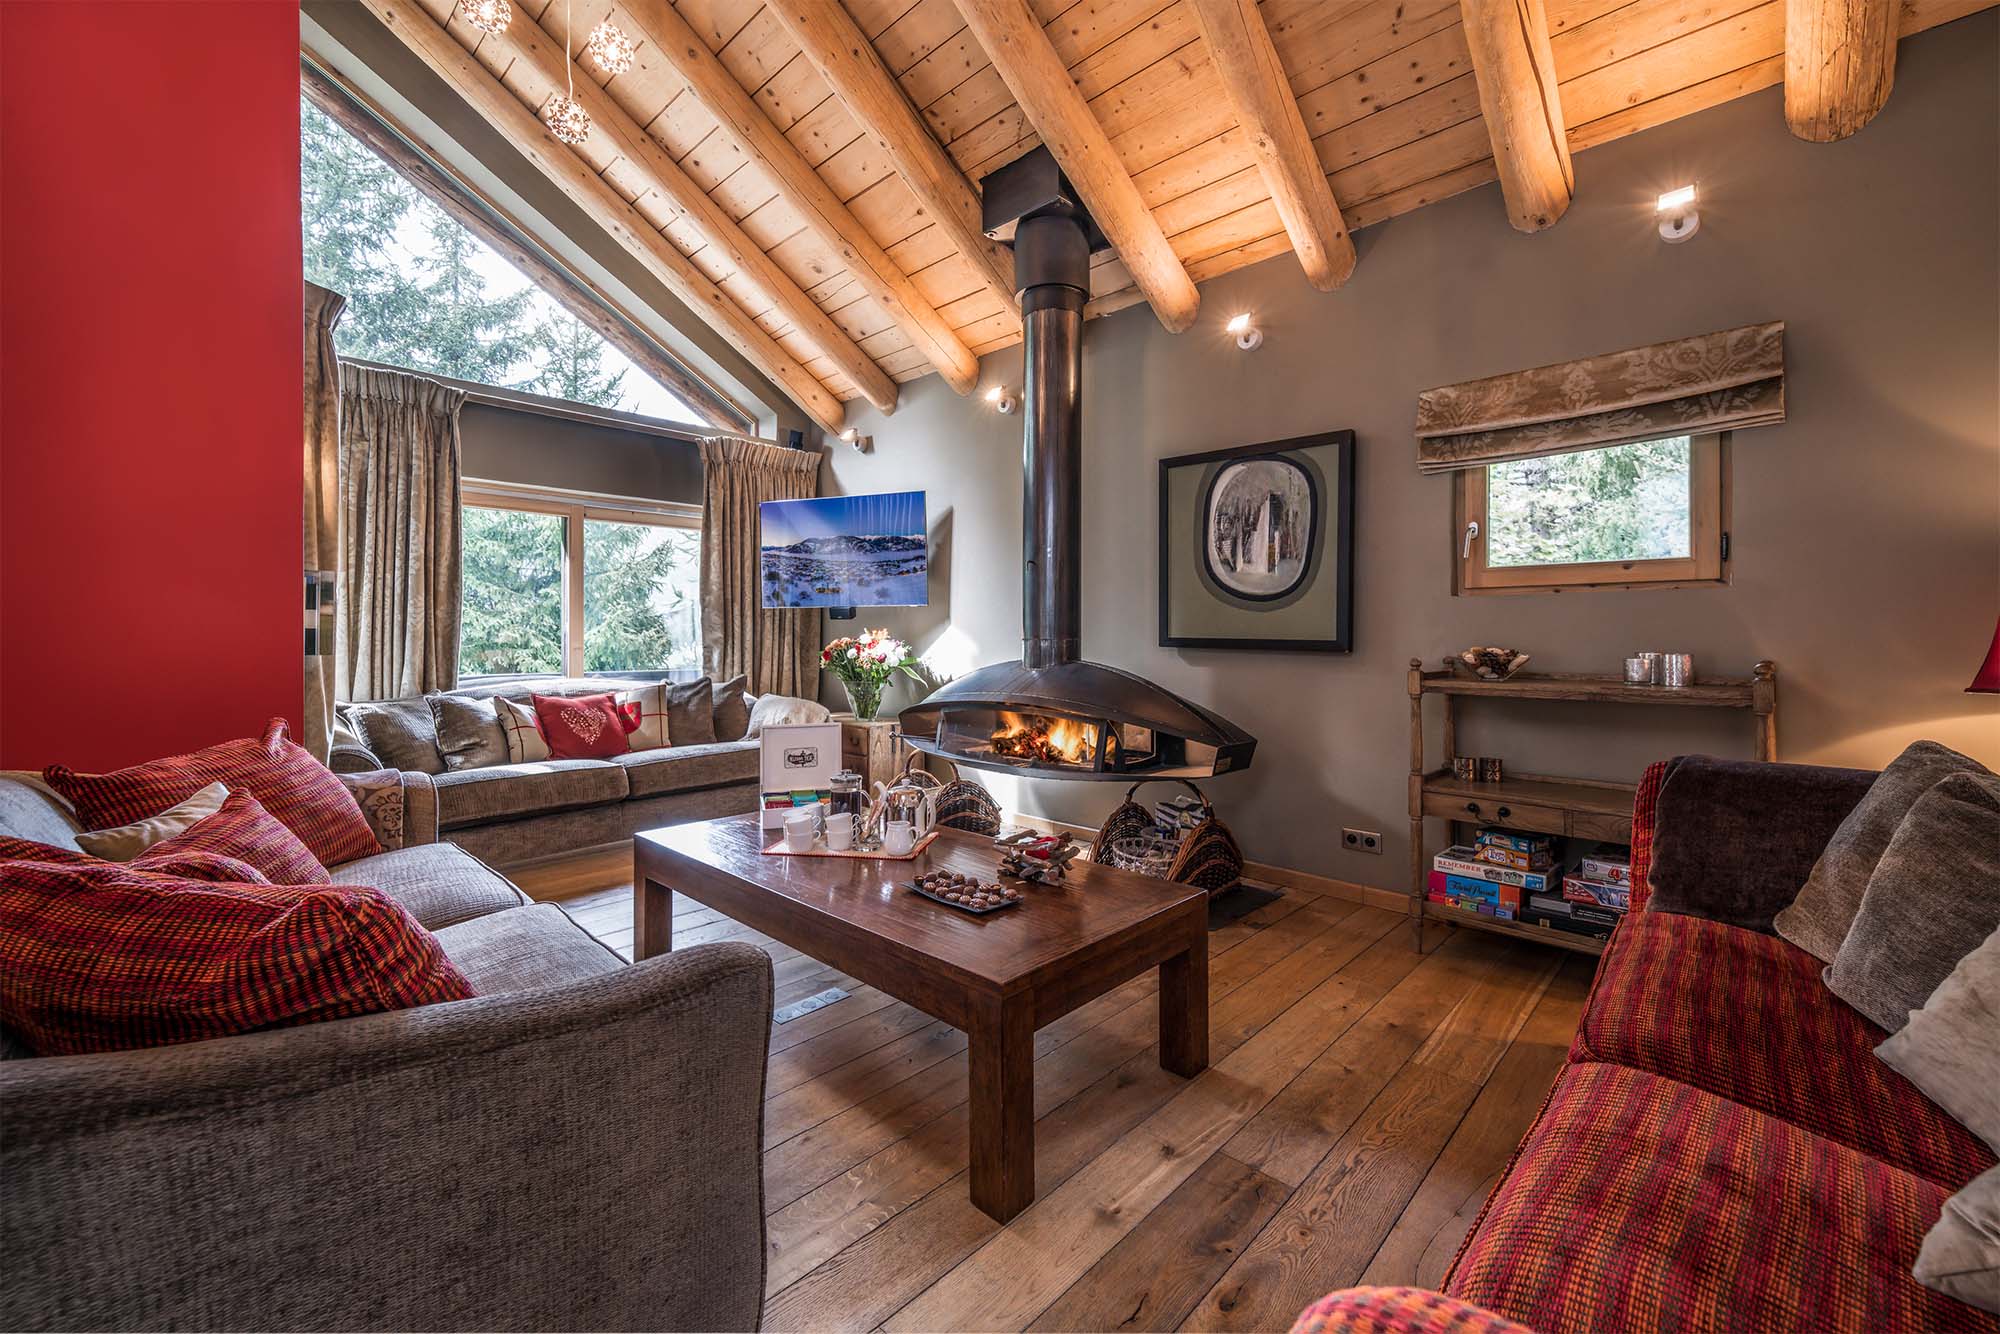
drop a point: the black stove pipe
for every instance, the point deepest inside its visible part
(1052, 270)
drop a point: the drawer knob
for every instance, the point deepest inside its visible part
(1504, 812)
(1472, 806)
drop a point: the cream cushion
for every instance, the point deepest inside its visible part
(524, 732)
(651, 734)
(773, 710)
(129, 840)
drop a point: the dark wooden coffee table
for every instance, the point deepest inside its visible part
(998, 977)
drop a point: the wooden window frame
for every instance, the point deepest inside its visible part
(1708, 538)
(575, 507)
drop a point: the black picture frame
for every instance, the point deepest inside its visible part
(1339, 507)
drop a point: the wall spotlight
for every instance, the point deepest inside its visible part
(1002, 401)
(1678, 218)
(862, 443)
(1248, 336)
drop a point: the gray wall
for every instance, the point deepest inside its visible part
(532, 448)
(1866, 528)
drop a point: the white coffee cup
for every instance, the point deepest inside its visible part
(898, 837)
(840, 831)
(801, 829)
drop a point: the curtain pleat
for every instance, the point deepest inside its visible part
(320, 536)
(400, 539)
(777, 650)
(1724, 381)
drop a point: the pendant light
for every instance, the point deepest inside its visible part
(489, 16)
(566, 119)
(610, 48)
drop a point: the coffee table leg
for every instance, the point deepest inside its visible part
(1184, 1008)
(652, 919)
(1002, 1087)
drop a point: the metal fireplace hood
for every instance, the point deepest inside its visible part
(1052, 715)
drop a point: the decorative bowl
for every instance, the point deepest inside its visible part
(1486, 664)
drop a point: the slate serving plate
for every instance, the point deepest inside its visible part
(916, 888)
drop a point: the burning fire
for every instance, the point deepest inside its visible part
(1045, 740)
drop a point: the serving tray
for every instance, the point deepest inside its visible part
(779, 849)
(915, 888)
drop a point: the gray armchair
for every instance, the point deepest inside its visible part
(578, 1148)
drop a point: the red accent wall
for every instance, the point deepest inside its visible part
(150, 596)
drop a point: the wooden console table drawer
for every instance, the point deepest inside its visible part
(1497, 811)
(1604, 828)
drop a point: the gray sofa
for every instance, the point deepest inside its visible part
(578, 1148)
(507, 814)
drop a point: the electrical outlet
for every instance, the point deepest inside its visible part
(1361, 840)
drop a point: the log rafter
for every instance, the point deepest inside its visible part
(650, 165)
(1840, 63)
(717, 90)
(463, 73)
(1515, 69)
(842, 54)
(1261, 97)
(1034, 73)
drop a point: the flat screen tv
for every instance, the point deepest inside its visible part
(845, 551)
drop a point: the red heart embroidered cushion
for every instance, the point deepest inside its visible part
(106, 957)
(244, 831)
(581, 727)
(294, 787)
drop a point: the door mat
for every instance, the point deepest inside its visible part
(1235, 904)
(801, 1008)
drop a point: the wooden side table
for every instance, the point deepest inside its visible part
(874, 750)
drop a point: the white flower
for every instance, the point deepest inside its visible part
(854, 653)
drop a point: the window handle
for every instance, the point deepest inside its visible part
(1465, 547)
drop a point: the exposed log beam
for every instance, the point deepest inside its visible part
(829, 219)
(1261, 96)
(525, 41)
(1028, 64)
(563, 287)
(1840, 63)
(1516, 73)
(440, 51)
(847, 60)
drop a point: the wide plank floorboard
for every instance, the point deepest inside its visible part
(1361, 1101)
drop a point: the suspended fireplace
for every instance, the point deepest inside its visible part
(1053, 715)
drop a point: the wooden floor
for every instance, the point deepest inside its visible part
(1361, 1101)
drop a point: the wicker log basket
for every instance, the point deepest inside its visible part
(1208, 858)
(959, 804)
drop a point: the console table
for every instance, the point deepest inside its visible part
(1543, 803)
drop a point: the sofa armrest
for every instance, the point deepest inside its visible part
(351, 757)
(1734, 840)
(586, 1156)
(1400, 1311)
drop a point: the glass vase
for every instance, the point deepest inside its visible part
(866, 697)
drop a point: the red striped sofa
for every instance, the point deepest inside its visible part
(1723, 1151)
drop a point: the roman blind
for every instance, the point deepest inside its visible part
(1714, 382)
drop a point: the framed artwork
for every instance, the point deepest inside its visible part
(1257, 546)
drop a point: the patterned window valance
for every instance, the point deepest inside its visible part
(1716, 382)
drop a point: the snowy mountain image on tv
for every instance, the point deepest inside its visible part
(845, 551)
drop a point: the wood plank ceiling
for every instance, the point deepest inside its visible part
(725, 141)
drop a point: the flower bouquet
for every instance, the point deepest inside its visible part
(865, 663)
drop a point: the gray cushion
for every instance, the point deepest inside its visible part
(1818, 919)
(1961, 1252)
(691, 713)
(400, 731)
(683, 768)
(1951, 1048)
(474, 796)
(525, 948)
(1934, 897)
(438, 883)
(732, 709)
(468, 731)
(30, 809)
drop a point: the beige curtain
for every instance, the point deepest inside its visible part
(1715, 382)
(399, 550)
(777, 650)
(320, 538)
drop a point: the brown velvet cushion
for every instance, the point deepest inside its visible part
(1951, 1048)
(1817, 921)
(400, 732)
(732, 709)
(1934, 898)
(469, 735)
(691, 713)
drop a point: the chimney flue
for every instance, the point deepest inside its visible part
(1052, 267)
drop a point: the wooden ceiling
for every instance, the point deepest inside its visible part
(840, 253)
